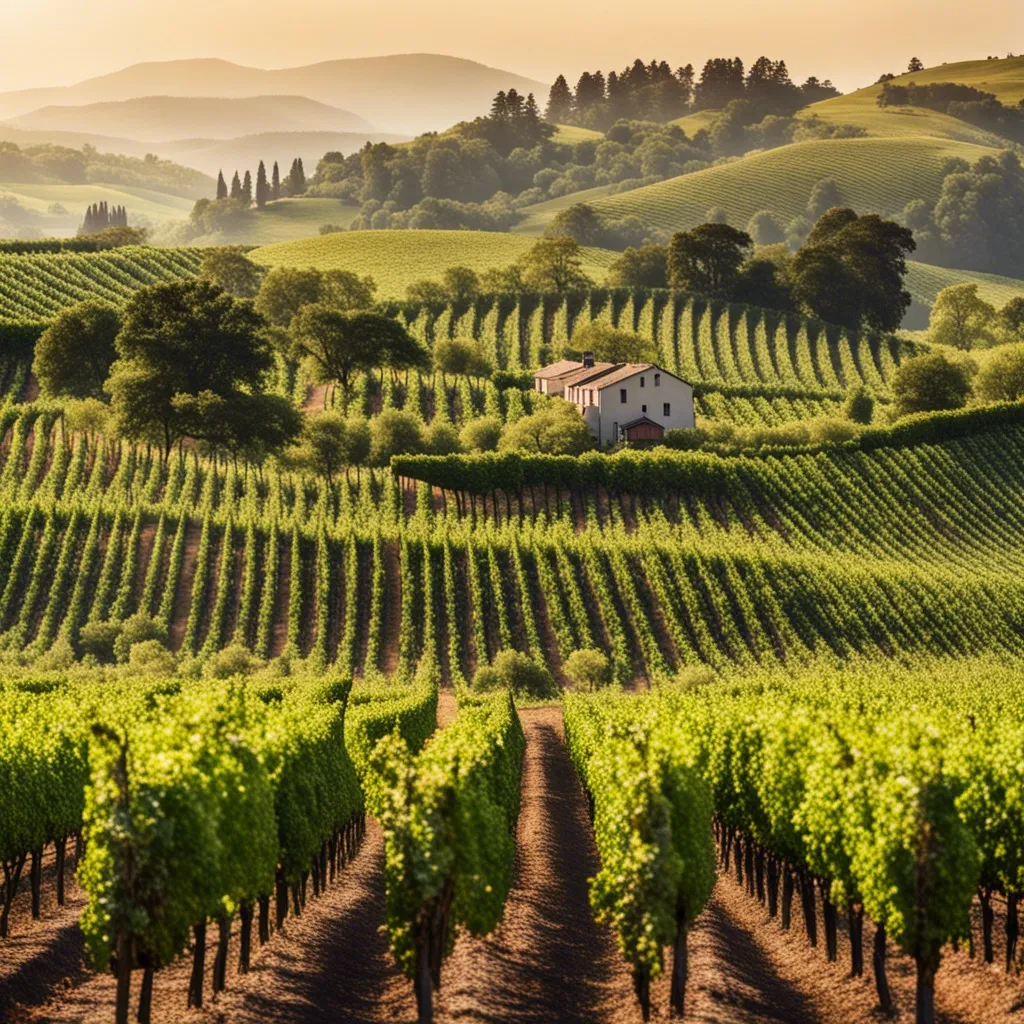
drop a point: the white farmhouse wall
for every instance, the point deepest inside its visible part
(614, 413)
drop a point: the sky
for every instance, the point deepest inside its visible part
(59, 42)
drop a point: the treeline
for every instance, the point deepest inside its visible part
(99, 217)
(49, 164)
(654, 92)
(961, 101)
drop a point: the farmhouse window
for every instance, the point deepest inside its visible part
(622, 395)
(642, 382)
(657, 380)
(668, 409)
(643, 409)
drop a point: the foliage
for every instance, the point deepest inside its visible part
(556, 429)
(1001, 379)
(231, 270)
(74, 354)
(588, 669)
(931, 382)
(961, 318)
(516, 672)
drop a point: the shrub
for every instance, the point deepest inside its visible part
(441, 438)
(588, 669)
(140, 628)
(99, 639)
(235, 660)
(931, 383)
(859, 406)
(481, 434)
(516, 672)
(1002, 377)
(151, 658)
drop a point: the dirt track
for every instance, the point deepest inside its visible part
(546, 962)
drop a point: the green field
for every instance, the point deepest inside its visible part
(155, 207)
(874, 175)
(699, 121)
(395, 259)
(291, 219)
(924, 282)
(537, 217)
(1004, 78)
(570, 134)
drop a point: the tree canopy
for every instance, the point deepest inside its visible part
(74, 354)
(707, 259)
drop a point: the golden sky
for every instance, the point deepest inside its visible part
(58, 42)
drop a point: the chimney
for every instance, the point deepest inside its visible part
(588, 359)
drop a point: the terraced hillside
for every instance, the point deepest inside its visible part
(873, 175)
(395, 259)
(924, 282)
(736, 561)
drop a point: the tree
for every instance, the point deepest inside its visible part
(588, 669)
(394, 432)
(557, 428)
(222, 186)
(441, 438)
(247, 189)
(182, 339)
(850, 271)
(462, 285)
(275, 183)
(253, 426)
(824, 196)
(262, 189)
(859, 406)
(764, 281)
(285, 290)
(915, 65)
(611, 345)
(74, 354)
(929, 383)
(1011, 318)
(961, 318)
(331, 443)
(481, 434)
(460, 358)
(344, 289)
(707, 260)
(1001, 379)
(431, 294)
(340, 344)
(646, 267)
(764, 229)
(236, 187)
(559, 110)
(499, 280)
(554, 265)
(232, 270)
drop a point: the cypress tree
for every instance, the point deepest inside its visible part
(275, 183)
(560, 102)
(236, 187)
(297, 178)
(261, 186)
(247, 188)
(222, 186)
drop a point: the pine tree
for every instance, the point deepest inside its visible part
(247, 189)
(560, 102)
(236, 186)
(222, 186)
(300, 178)
(261, 186)
(275, 183)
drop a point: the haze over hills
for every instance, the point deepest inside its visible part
(155, 118)
(408, 93)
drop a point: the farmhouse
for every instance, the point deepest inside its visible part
(634, 402)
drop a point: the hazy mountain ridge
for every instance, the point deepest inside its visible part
(159, 118)
(406, 93)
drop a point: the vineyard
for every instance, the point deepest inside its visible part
(781, 180)
(34, 288)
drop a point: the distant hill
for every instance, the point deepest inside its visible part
(408, 93)
(156, 118)
(212, 155)
(874, 176)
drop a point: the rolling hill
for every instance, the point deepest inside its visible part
(873, 175)
(1004, 78)
(536, 218)
(154, 207)
(408, 93)
(924, 282)
(396, 259)
(156, 118)
(246, 151)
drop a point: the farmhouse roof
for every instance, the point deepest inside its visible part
(585, 374)
(626, 370)
(559, 369)
(639, 421)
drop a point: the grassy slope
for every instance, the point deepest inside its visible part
(537, 217)
(569, 135)
(157, 206)
(874, 175)
(288, 220)
(925, 282)
(395, 259)
(1004, 78)
(693, 123)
